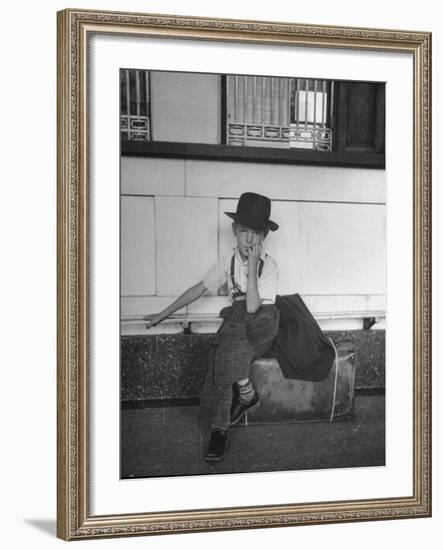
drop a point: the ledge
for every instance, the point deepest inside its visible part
(209, 323)
(206, 151)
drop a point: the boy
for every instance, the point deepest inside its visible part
(249, 325)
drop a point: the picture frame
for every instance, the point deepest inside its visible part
(76, 222)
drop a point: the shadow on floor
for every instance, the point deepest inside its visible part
(48, 526)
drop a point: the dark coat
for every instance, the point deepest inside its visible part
(302, 349)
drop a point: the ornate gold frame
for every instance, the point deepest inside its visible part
(74, 518)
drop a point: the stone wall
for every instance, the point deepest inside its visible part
(173, 366)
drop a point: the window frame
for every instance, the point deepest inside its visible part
(244, 153)
(204, 151)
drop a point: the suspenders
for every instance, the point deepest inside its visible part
(236, 292)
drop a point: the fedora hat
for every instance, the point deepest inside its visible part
(253, 211)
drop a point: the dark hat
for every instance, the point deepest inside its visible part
(253, 211)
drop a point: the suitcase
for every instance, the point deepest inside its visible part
(288, 400)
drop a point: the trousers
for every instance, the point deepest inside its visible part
(241, 338)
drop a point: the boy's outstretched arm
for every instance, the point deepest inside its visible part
(193, 293)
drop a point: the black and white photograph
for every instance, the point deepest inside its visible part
(220, 238)
(252, 273)
(243, 232)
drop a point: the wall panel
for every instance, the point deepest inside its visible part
(152, 176)
(323, 248)
(284, 181)
(186, 231)
(137, 264)
(185, 107)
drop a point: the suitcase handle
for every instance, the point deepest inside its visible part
(331, 418)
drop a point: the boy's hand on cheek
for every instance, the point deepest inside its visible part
(254, 253)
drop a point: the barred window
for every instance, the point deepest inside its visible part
(311, 114)
(253, 118)
(135, 123)
(265, 111)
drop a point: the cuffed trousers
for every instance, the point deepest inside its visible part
(241, 338)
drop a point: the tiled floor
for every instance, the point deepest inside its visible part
(169, 442)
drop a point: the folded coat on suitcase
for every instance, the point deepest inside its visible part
(301, 348)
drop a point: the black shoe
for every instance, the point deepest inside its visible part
(217, 445)
(239, 409)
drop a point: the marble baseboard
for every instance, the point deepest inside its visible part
(173, 366)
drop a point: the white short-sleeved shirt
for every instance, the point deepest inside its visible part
(220, 274)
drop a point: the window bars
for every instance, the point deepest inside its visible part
(135, 105)
(311, 113)
(261, 111)
(279, 112)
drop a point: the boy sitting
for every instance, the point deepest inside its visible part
(249, 325)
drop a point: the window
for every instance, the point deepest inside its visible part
(252, 118)
(135, 105)
(311, 114)
(265, 111)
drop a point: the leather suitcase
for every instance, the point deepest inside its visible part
(288, 400)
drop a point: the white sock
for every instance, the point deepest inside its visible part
(246, 391)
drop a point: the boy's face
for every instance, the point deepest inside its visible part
(246, 237)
